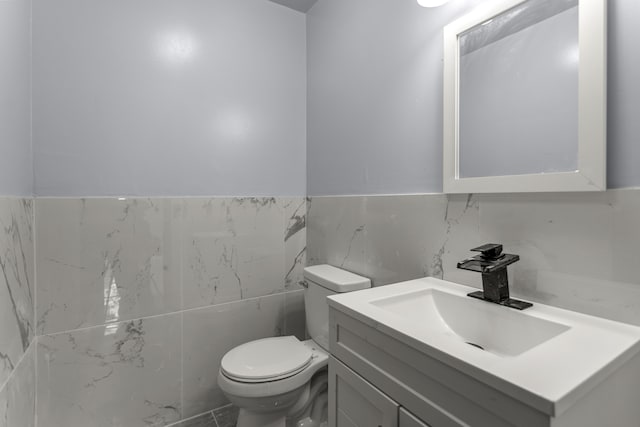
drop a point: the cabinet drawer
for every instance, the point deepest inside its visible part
(353, 402)
(430, 389)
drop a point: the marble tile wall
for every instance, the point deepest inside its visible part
(17, 332)
(139, 299)
(578, 250)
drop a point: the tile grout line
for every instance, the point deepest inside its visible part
(177, 423)
(35, 384)
(188, 197)
(20, 360)
(171, 313)
(182, 405)
(182, 212)
(35, 304)
(215, 419)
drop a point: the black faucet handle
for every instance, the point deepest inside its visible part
(489, 250)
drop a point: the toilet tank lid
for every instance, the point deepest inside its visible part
(335, 279)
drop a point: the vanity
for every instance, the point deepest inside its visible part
(422, 353)
(524, 111)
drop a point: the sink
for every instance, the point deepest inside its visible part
(545, 355)
(488, 327)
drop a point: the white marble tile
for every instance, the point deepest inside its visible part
(212, 331)
(232, 249)
(16, 282)
(295, 241)
(394, 238)
(295, 322)
(577, 251)
(105, 260)
(625, 236)
(17, 398)
(397, 237)
(336, 232)
(461, 230)
(126, 375)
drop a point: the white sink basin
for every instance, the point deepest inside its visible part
(488, 327)
(544, 355)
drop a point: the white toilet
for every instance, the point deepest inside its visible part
(281, 381)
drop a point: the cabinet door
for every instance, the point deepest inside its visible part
(353, 402)
(406, 419)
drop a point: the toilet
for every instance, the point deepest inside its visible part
(282, 381)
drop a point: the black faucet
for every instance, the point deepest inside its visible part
(492, 264)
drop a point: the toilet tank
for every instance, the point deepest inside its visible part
(322, 281)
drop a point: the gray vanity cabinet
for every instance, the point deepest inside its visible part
(381, 377)
(353, 402)
(406, 388)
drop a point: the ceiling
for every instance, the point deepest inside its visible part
(299, 5)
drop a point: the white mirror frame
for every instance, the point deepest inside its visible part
(592, 109)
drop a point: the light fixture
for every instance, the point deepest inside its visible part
(431, 3)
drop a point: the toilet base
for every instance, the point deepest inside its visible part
(252, 419)
(275, 403)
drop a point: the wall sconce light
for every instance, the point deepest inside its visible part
(431, 3)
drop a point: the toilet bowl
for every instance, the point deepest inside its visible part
(282, 381)
(267, 391)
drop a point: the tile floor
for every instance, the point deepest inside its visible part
(226, 416)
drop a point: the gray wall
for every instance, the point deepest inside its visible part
(375, 95)
(15, 98)
(148, 97)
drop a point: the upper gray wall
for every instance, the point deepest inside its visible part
(16, 173)
(375, 95)
(165, 97)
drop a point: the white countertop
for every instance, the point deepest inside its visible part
(550, 376)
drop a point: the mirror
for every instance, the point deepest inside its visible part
(525, 98)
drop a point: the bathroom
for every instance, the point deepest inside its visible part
(168, 169)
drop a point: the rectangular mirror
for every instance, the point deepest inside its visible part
(525, 98)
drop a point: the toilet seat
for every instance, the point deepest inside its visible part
(244, 389)
(268, 359)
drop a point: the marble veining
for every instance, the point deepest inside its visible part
(232, 249)
(352, 238)
(105, 260)
(124, 374)
(16, 282)
(391, 238)
(17, 397)
(337, 228)
(136, 297)
(295, 241)
(296, 216)
(461, 233)
(578, 250)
